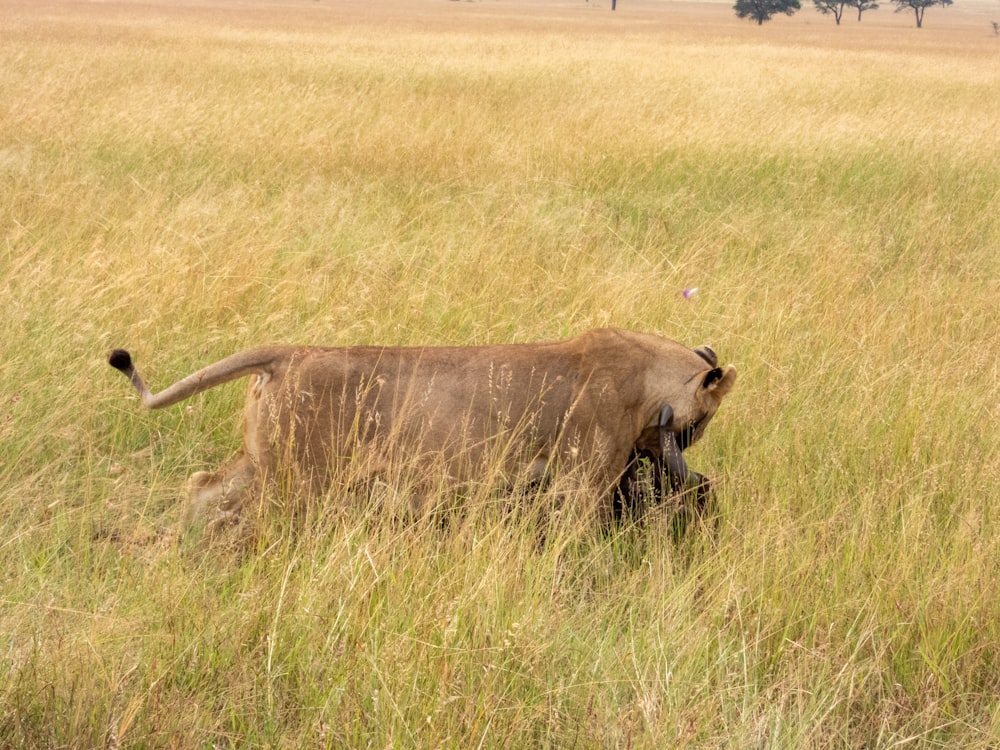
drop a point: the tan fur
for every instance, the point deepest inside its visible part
(573, 408)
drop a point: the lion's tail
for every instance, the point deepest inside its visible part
(231, 368)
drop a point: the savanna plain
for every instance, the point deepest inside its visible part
(190, 179)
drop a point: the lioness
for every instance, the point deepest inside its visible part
(583, 408)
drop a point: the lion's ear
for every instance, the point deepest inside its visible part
(708, 354)
(718, 381)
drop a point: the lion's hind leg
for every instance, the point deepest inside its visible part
(218, 497)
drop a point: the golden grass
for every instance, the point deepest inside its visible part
(194, 178)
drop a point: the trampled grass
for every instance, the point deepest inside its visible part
(187, 180)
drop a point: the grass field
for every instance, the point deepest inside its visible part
(190, 179)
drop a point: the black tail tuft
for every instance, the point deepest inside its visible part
(120, 360)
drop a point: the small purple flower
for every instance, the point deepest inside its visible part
(689, 293)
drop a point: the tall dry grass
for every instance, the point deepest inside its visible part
(190, 180)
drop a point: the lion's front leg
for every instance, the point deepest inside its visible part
(217, 497)
(592, 475)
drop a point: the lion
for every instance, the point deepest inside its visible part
(580, 411)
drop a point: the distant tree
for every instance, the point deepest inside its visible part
(826, 7)
(762, 10)
(918, 7)
(862, 6)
